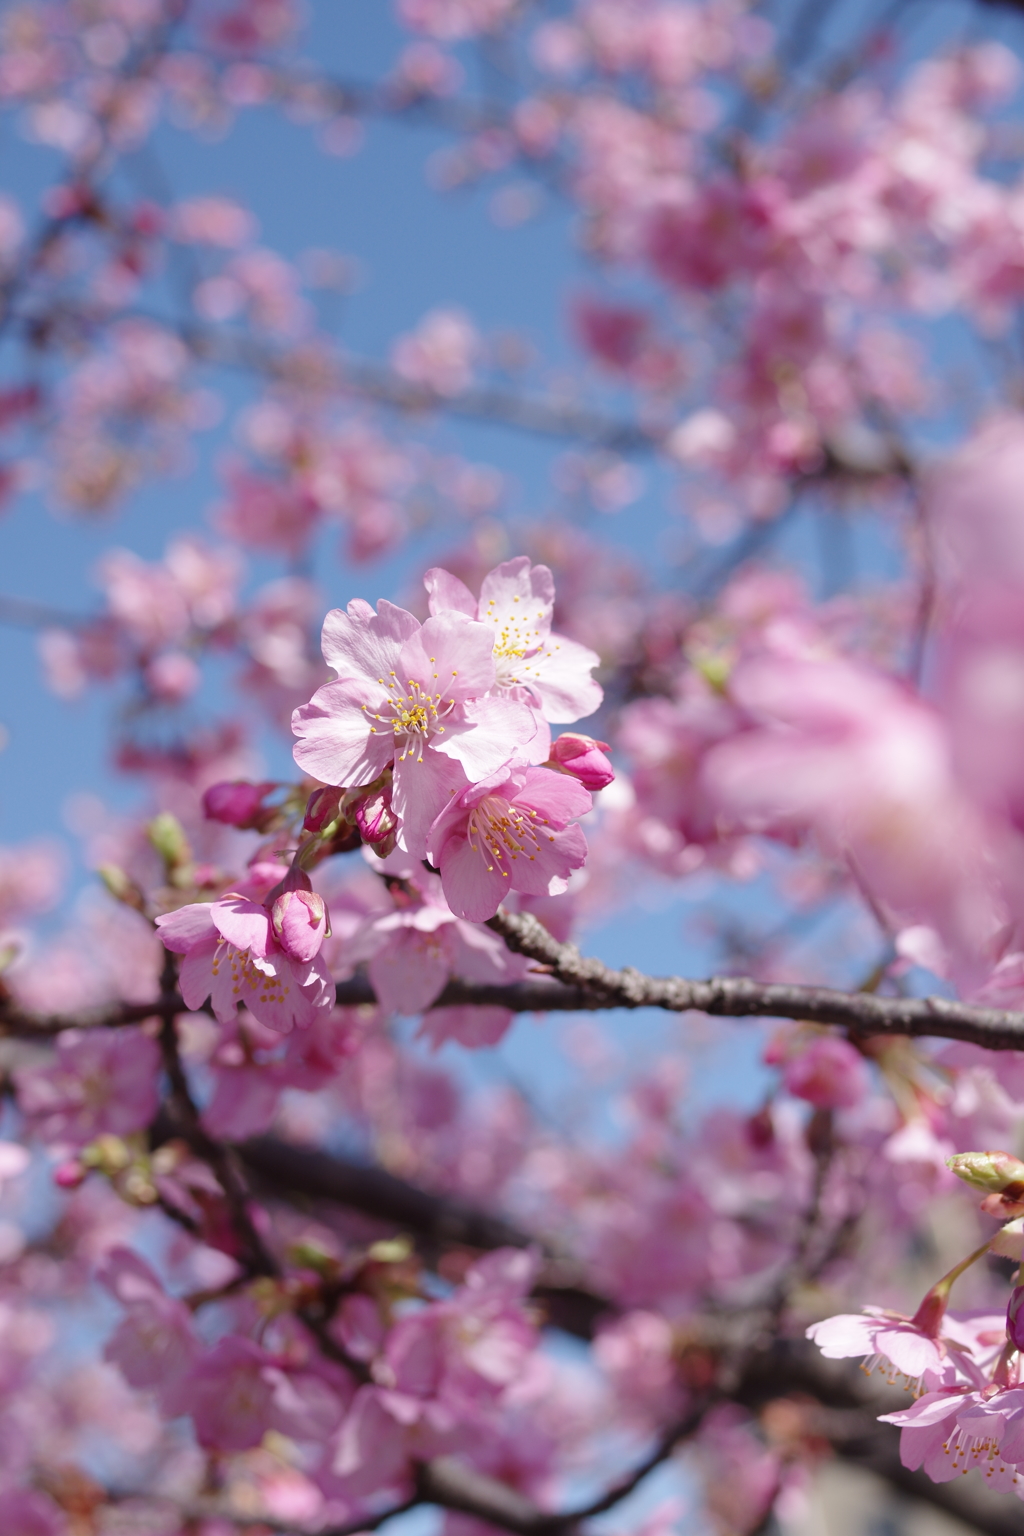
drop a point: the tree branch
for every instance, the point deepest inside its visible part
(863, 1013)
(575, 984)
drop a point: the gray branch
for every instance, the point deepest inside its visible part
(577, 984)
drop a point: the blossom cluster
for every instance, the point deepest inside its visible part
(320, 1252)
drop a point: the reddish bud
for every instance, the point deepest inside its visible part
(1015, 1317)
(584, 758)
(69, 1175)
(238, 804)
(322, 807)
(377, 822)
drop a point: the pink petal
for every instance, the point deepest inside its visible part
(409, 972)
(560, 677)
(419, 792)
(180, 931)
(195, 976)
(338, 743)
(364, 644)
(501, 725)
(909, 1351)
(473, 1026)
(933, 1408)
(843, 1336)
(244, 924)
(450, 655)
(516, 593)
(447, 591)
(474, 887)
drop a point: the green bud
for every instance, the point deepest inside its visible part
(167, 836)
(110, 1154)
(390, 1250)
(9, 952)
(997, 1173)
(713, 667)
(122, 887)
(310, 1255)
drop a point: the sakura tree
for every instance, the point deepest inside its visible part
(469, 656)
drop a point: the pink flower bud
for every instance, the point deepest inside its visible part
(322, 807)
(237, 804)
(377, 822)
(584, 758)
(830, 1074)
(299, 920)
(1015, 1317)
(70, 1174)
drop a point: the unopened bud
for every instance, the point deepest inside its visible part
(300, 922)
(70, 1174)
(122, 887)
(110, 1154)
(238, 803)
(167, 836)
(584, 758)
(322, 807)
(1015, 1317)
(377, 822)
(997, 1173)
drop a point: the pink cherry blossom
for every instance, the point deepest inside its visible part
(155, 1344)
(416, 943)
(891, 1338)
(103, 1082)
(412, 695)
(828, 1072)
(509, 832)
(232, 955)
(516, 601)
(440, 352)
(957, 1427)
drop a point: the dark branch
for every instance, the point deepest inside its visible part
(862, 1013)
(576, 984)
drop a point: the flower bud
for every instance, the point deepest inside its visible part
(997, 1173)
(322, 807)
(70, 1174)
(122, 887)
(1015, 1317)
(238, 804)
(377, 822)
(299, 920)
(584, 758)
(167, 836)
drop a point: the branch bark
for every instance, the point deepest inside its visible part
(576, 984)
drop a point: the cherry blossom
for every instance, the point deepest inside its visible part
(486, 840)
(411, 695)
(517, 599)
(234, 954)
